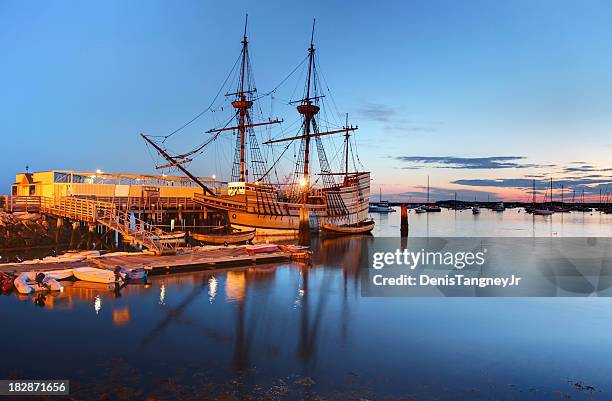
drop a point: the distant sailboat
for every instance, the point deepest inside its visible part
(534, 208)
(475, 208)
(545, 211)
(428, 207)
(382, 206)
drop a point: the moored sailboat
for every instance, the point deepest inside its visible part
(381, 207)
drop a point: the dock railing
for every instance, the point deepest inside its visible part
(12, 203)
(109, 215)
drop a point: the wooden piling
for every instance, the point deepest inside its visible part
(73, 234)
(91, 233)
(304, 229)
(58, 229)
(404, 221)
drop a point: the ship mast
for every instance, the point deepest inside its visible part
(243, 105)
(243, 102)
(308, 110)
(346, 149)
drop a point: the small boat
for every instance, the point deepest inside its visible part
(95, 275)
(236, 237)
(136, 274)
(382, 206)
(475, 210)
(60, 274)
(362, 227)
(542, 212)
(420, 209)
(297, 252)
(6, 282)
(28, 282)
(263, 248)
(498, 207)
(293, 248)
(432, 208)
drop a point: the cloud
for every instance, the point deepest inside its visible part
(392, 119)
(377, 112)
(492, 162)
(584, 168)
(589, 185)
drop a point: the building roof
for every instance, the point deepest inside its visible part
(102, 176)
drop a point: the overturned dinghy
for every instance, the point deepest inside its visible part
(62, 274)
(28, 282)
(263, 248)
(95, 275)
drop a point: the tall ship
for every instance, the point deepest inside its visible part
(311, 193)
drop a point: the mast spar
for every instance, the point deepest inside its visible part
(175, 163)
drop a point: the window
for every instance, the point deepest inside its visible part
(61, 177)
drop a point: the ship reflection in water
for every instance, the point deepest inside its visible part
(294, 331)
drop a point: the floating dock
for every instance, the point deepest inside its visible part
(197, 258)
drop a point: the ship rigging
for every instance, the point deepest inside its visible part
(343, 195)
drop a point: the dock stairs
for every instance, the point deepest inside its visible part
(111, 216)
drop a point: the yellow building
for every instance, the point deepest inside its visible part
(58, 183)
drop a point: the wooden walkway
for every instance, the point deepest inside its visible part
(107, 214)
(203, 258)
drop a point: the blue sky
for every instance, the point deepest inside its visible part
(438, 88)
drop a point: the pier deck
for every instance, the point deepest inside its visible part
(204, 258)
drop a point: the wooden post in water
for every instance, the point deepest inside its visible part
(91, 232)
(404, 221)
(58, 229)
(180, 217)
(73, 234)
(304, 231)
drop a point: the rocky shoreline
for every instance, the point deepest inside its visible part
(26, 230)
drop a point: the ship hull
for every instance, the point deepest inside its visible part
(344, 205)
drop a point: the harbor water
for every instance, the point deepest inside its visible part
(292, 331)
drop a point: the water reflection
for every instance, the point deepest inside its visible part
(212, 289)
(121, 316)
(97, 304)
(267, 322)
(162, 295)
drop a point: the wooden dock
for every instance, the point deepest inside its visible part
(200, 258)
